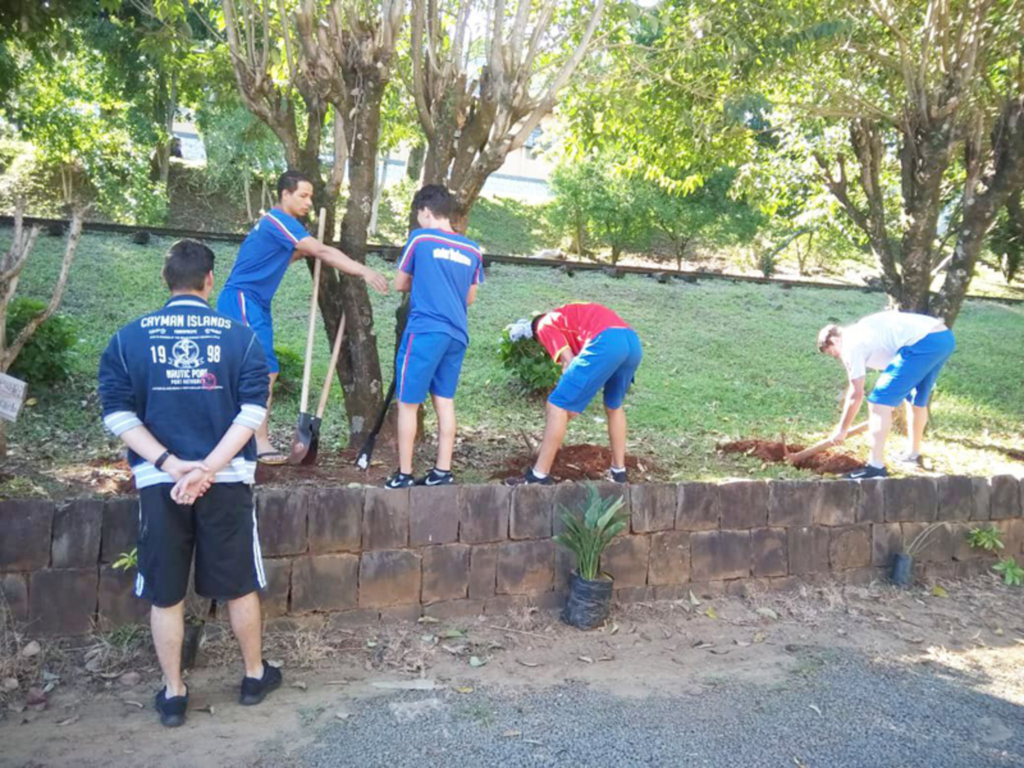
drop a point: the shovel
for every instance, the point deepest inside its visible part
(366, 452)
(806, 453)
(304, 430)
(314, 424)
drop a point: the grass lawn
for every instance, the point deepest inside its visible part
(722, 361)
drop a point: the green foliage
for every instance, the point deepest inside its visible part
(289, 378)
(508, 226)
(589, 532)
(46, 357)
(573, 184)
(766, 263)
(988, 539)
(1006, 240)
(1011, 572)
(127, 560)
(531, 365)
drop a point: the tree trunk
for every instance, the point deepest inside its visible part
(382, 180)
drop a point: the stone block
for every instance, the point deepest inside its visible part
(454, 609)
(632, 595)
(533, 508)
(483, 513)
(445, 572)
(886, 541)
(360, 617)
(698, 507)
(1013, 537)
(77, 531)
(860, 577)
(335, 518)
(389, 577)
(971, 569)
(837, 503)
(573, 497)
(707, 590)
(385, 519)
(14, 591)
(274, 597)
(401, 614)
(962, 549)
(771, 556)
(935, 572)
(1004, 497)
(669, 561)
(982, 499)
(565, 564)
(871, 501)
(849, 547)
(911, 500)
(719, 555)
(433, 515)
(62, 601)
(525, 567)
(483, 569)
(325, 583)
(792, 502)
(118, 604)
(743, 504)
(27, 527)
(808, 550)
(625, 560)
(956, 497)
(120, 528)
(282, 522)
(653, 506)
(501, 605)
(936, 547)
(671, 591)
(549, 601)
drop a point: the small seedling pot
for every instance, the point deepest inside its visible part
(902, 574)
(588, 603)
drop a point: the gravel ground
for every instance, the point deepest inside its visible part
(837, 711)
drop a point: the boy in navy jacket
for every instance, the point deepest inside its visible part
(186, 388)
(441, 271)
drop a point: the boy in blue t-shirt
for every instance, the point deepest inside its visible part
(276, 241)
(441, 270)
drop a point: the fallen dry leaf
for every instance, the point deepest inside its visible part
(69, 721)
(528, 663)
(299, 684)
(32, 648)
(134, 703)
(464, 689)
(586, 659)
(511, 734)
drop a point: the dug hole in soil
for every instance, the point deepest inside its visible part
(584, 461)
(827, 462)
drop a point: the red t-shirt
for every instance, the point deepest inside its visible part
(573, 325)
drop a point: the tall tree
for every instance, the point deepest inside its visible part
(332, 60)
(482, 90)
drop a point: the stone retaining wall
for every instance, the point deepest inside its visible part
(476, 549)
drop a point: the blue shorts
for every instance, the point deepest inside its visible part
(912, 373)
(608, 360)
(238, 306)
(428, 361)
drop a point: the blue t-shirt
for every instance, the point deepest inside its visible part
(444, 266)
(265, 255)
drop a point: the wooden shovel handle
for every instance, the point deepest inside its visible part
(322, 406)
(818, 447)
(306, 371)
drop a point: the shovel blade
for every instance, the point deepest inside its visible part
(314, 443)
(302, 438)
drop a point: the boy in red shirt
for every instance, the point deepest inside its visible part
(596, 348)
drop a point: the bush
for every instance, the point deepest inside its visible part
(46, 358)
(529, 362)
(289, 380)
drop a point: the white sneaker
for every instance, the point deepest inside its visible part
(909, 459)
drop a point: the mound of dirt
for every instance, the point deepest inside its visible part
(584, 461)
(830, 462)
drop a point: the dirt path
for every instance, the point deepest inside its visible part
(972, 640)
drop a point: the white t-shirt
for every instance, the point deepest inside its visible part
(873, 341)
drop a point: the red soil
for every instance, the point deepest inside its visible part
(828, 462)
(585, 461)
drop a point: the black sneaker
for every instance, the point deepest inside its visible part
(437, 477)
(400, 480)
(254, 691)
(617, 475)
(529, 479)
(172, 710)
(866, 473)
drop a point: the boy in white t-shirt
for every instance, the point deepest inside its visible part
(910, 350)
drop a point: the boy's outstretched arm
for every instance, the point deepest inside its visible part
(332, 257)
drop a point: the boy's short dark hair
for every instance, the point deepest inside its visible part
(535, 322)
(436, 199)
(289, 181)
(186, 266)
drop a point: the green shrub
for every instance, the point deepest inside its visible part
(534, 370)
(1011, 572)
(46, 358)
(988, 539)
(289, 379)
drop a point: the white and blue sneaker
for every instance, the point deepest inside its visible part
(437, 477)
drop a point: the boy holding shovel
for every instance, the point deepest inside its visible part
(910, 350)
(441, 271)
(274, 243)
(596, 349)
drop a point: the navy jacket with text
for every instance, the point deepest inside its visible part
(187, 374)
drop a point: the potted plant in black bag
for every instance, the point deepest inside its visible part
(586, 536)
(902, 574)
